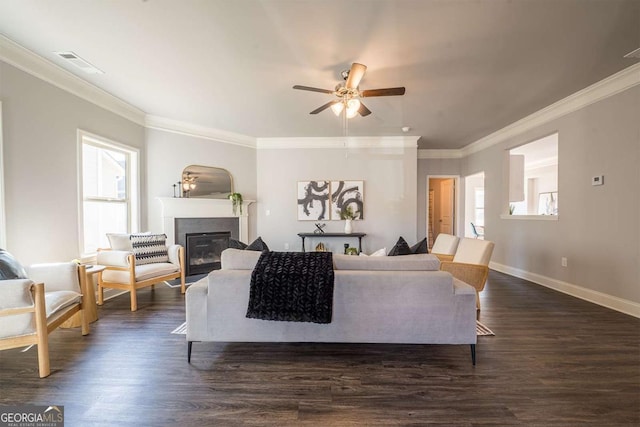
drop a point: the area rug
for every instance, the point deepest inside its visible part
(182, 329)
(482, 330)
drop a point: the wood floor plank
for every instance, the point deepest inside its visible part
(554, 361)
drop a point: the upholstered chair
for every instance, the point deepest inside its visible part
(31, 308)
(471, 263)
(445, 246)
(136, 261)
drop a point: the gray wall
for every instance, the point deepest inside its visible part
(599, 227)
(389, 177)
(169, 153)
(40, 122)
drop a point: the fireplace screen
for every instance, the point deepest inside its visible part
(203, 251)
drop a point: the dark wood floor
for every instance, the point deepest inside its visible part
(555, 361)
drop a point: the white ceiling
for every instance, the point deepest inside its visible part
(470, 67)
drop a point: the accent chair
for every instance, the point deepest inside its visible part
(471, 263)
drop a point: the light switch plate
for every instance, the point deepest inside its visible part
(597, 180)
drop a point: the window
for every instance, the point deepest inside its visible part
(474, 205)
(108, 190)
(533, 178)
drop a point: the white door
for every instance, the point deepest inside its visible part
(446, 219)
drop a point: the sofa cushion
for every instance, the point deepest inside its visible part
(56, 301)
(237, 259)
(420, 247)
(418, 262)
(400, 248)
(143, 272)
(10, 268)
(149, 248)
(257, 245)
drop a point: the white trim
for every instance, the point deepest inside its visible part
(533, 217)
(184, 128)
(609, 301)
(3, 223)
(605, 88)
(32, 63)
(424, 154)
(338, 142)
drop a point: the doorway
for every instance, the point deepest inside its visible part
(441, 206)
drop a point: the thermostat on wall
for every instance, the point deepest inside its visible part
(597, 180)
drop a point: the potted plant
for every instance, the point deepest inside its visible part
(236, 202)
(348, 215)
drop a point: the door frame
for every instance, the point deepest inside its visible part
(456, 202)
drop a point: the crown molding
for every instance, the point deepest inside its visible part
(338, 142)
(31, 63)
(189, 129)
(425, 154)
(605, 88)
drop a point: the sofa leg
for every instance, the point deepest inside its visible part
(189, 345)
(473, 354)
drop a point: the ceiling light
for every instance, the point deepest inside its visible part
(337, 108)
(79, 62)
(352, 108)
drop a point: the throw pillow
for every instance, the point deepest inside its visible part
(379, 252)
(10, 268)
(257, 245)
(149, 248)
(237, 244)
(400, 248)
(120, 241)
(420, 247)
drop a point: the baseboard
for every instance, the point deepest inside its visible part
(619, 304)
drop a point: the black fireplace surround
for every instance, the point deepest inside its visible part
(204, 239)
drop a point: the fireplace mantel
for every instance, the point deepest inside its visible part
(182, 207)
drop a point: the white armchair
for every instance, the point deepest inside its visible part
(445, 246)
(30, 309)
(471, 263)
(130, 268)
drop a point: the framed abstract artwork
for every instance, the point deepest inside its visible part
(347, 200)
(313, 200)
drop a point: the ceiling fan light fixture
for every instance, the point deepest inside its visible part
(352, 108)
(337, 108)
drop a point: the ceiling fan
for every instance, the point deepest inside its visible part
(348, 93)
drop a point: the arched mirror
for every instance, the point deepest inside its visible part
(206, 182)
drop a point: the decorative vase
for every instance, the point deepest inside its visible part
(347, 226)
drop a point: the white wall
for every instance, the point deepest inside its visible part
(40, 122)
(169, 153)
(389, 176)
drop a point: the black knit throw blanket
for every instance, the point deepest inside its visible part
(292, 286)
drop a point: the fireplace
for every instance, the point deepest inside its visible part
(203, 251)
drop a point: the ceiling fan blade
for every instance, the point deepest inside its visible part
(313, 89)
(363, 111)
(355, 75)
(392, 91)
(325, 106)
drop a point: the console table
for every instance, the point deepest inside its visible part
(358, 235)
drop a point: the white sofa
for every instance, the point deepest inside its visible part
(402, 299)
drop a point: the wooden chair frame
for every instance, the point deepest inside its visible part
(134, 285)
(473, 274)
(45, 326)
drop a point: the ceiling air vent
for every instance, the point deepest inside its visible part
(633, 54)
(79, 62)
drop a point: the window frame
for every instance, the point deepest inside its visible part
(132, 183)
